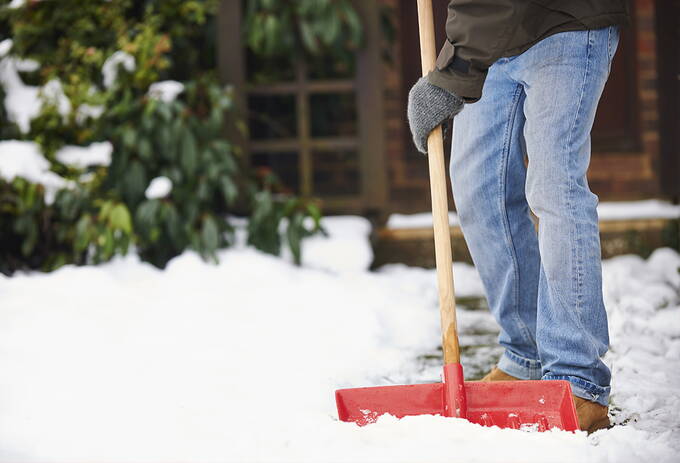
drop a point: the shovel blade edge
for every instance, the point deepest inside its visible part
(529, 405)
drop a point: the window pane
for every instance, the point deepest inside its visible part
(336, 173)
(272, 116)
(328, 67)
(264, 70)
(333, 114)
(283, 164)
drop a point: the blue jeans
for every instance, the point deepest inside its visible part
(544, 288)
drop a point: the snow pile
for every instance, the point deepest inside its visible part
(643, 303)
(24, 159)
(96, 154)
(238, 362)
(345, 249)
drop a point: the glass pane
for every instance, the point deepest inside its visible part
(263, 70)
(333, 114)
(271, 116)
(329, 67)
(336, 173)
(284, 164)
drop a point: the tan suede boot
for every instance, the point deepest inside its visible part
(498, 375)
(591, 415)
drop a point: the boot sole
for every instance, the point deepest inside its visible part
(602, 423)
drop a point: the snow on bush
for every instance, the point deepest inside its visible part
(87, 111)
(25, 159)
(53, 93)
(22, 102)
(96, 154)
(112, 63)
(165, 90)
(159, 187)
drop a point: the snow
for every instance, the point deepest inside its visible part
(238, 361)
(5, 47)
(53, 93)
(112, 63)
(166, 90)
(96, 154)
(159, 187)
(87, 111)
(345, 249)
(16, 4)
(419, 220)
(628, 210)
(24, 159)
(619, 210)
(22, 102)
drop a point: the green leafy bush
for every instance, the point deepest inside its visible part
(312, 27)
(106, 209)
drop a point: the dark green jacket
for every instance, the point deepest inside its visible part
(482, 31)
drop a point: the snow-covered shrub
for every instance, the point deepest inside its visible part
(122, 94)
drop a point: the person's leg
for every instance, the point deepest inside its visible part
(488, 176)
(563, 76)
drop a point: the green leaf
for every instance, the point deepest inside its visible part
(129, 137)
(210, 235)
(309, 38)
(135, 181)
(294, 233)
(146, 213)
(105, 210)
(188, 153)
(82, 239)
(120, 218)
(229, 190)
(144, 149)
(108, 244)
(314, 211)
(30, 239)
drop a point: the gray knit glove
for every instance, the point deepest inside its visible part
(428, 107)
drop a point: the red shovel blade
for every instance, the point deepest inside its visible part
(539, 405)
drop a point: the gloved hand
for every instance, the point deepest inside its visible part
(428, 107)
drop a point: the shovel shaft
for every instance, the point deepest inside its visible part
(440, 209)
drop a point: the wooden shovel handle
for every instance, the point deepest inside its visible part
(440, 209)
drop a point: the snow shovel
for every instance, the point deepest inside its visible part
(531, 405)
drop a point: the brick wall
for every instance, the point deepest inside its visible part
(407, 169)
(632, 175)
(614, 175)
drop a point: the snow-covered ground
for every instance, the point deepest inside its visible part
(606, 210)
(238, 361)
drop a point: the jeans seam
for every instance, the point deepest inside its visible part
(576, 258)
(504, 214)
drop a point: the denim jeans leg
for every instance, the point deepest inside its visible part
(488, 176)
(563, 76)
